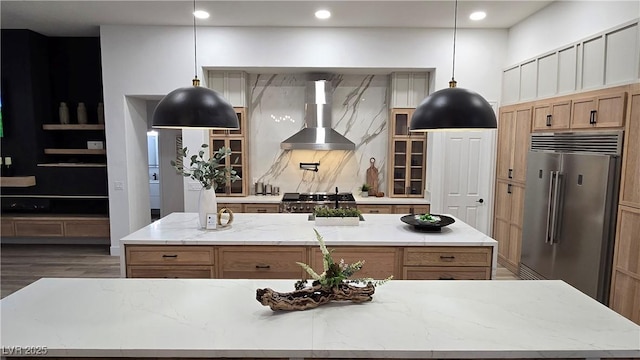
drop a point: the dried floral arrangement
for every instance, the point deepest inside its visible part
(332, 285)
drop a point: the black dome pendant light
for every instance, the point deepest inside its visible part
(453, 108)
(194, 106)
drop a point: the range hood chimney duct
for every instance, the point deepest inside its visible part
(317, 133)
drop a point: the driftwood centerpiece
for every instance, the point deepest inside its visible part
(332, 285)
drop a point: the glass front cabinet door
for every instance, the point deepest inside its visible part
(407, 156)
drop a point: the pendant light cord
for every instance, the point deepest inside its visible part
(195, 48)
(452, 83)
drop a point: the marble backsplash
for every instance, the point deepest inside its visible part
(276, 111)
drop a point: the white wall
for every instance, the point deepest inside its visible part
(564, 22)
(151, 61)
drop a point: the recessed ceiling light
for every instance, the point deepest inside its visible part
(323, 14)
(201, 14)
(478, 15)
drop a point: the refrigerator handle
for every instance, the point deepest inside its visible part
(554, 215)
(547, 237)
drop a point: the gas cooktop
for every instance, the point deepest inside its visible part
(306, 202)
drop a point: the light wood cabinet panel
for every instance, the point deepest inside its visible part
(39, 228)
(261, 262)
(380, 262)
(451, 273)
(521, 140)
(7, 228)
(630, 184)
(407, 156)
(169, 255)
(171, 272)
(627, 245)
(261, 208)
(552, 116)
(604, 109)
(448, 256)
(514, 129)
(376, 209)
(505, 142)
(625, 298)
(236, 208)
(411, 209)
(507, 225)
(87, 228)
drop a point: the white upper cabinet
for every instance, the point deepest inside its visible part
(408, 89)
(231, 84)
(606, 59)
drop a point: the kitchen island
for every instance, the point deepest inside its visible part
(269, 245)
(215, 318)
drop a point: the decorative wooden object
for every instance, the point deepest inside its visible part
(332, 284)
(372, 177)
(314, 296)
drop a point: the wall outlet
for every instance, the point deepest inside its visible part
(212, 221)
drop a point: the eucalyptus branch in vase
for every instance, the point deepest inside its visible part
(209, 172)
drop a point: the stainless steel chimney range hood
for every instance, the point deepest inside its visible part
(317, 133)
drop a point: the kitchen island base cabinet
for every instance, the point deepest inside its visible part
(261, 262)
(450, 273)
(379, 263)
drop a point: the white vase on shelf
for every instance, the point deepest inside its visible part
(82, 113)
(63, 113)
(207, 204)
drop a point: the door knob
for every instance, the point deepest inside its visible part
(480, 201)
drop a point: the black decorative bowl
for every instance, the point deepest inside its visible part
(427, 225)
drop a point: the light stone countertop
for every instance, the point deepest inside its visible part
(296, 229)
(275, 199)
(221, 318)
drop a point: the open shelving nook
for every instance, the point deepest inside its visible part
(64, 146)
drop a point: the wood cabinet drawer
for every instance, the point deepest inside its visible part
(446, 273)
(171, 272)
(39, 228)
(263, 262)
(411, 209)
(380, 263)
(236, 208)
(86, 228)
(163, 255)
(261, 208)
(376, 209)
(448, 256)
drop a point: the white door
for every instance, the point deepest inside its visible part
(468, 177)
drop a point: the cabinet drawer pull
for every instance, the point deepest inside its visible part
(510, 175)
(263, 266)
(170, 256)
(448, 257)
(548, 120)
(374, 211)
(508, 188)
(592, 117)
(446, 278)
(262, 210)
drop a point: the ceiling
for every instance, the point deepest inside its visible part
(83, 18)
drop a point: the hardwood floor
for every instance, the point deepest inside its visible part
(20, 265)
(23, 264)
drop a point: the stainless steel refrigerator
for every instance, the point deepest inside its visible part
(569, 209)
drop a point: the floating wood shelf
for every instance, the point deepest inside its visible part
(75, 151)
(73, 126)
(17, 181)
(73, 165)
